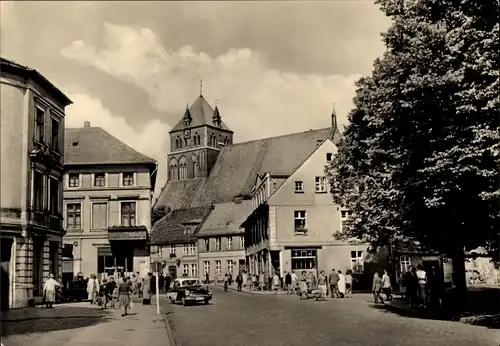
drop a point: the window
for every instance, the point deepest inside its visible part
(328, 157)
(344, 217)
(74, 216)
(73, 180)
(99, 215)
(40, 124)
(299, 186)
(54, 143)
(203, 159)
(320, 184)
(128, 214)
(128, 179)
(404, 263)
(206, 267)
(229, 242)
(357, 263)
(53, 195)
(172, 249)
(67, 250)
(242, 242)
(99, 179)
(194, 159)
(207, 244)
(299, 220)
(217, 244)
(194, 270)
(189, 249)
(218, 267)
(38, 183)
(303, 259)
(230, 266)
(185, 270)
(183, 174)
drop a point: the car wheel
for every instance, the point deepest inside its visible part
(206, 302)
(184, 302)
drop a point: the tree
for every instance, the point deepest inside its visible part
(158, 213)
(420, 157)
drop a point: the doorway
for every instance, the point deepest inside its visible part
(6, 247)
(37, 266)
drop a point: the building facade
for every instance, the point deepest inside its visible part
(108, 190)
(32, 156)
(174, 241)
(221, 247)
(294, 220)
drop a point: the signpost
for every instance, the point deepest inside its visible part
(158, 265)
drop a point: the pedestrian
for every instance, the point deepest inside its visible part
(139, 285)
(110, 289)
(276, 283)
(386, 286)
(254, 282)
(341, 284)
(207, 278)
(288, 283)
(93, 289)
(230, 279)
(348, 283)
(436, 286)
(303, 285)
(50, 290)
(422, 283)
(377, 288)
(146, 289)
(333, 279)
(124, 296)
(133, 282)
(245, 278)
(168, 280)
(239, 281)
(226, 281)
(295, 283)
(261, 281)
(322, 285)
(103, 294)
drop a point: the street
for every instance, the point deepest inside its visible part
(242, 319)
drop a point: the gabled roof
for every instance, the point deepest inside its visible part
(201, 114)
(237, 166)
(179, 194)
(226, 218)
(10, 66)
(170, 229)
(93, 145)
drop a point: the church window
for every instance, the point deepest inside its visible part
(196, 139)
(186, 142)
(202, 159)
(195, 166)
(183, 169)
(173, 173)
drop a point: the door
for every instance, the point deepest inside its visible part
(6, 245)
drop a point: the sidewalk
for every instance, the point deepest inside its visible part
(246, 290)
(80, 324)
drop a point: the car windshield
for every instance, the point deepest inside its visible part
(191, 283)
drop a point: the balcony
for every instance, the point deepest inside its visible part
(43, 153)
(46, 219)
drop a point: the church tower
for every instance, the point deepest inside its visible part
(196, 140)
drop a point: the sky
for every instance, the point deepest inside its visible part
(131, 67)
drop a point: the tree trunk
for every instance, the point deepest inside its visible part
(459, 279)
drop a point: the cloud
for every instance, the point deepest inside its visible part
(255, 100)
(149, 140)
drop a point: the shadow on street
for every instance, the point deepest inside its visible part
(59, 318)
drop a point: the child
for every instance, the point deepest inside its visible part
(103, 295)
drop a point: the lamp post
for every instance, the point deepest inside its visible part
(157, 265)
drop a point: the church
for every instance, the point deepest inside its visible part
(262, 206)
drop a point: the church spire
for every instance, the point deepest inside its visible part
(216, 119)
(336, 136)
(334, 118)
(201, 87)
(187, 116)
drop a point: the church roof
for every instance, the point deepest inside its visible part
(237, 166)
(201, 113)
(93, 145)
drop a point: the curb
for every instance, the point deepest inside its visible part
(414, 313)
(170, 334)
(490, 321)
(250, 293)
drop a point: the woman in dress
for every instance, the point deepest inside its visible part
(341, 284)
(348, 283)
(146, 290)
(124, 296)
(303, 286)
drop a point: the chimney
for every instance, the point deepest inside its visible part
(86, 124)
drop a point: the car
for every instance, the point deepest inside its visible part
(189, 291)
(75, 291)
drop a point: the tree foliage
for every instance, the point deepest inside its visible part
(158, 213)
(420, 157)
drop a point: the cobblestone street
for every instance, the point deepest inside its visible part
(240, 319)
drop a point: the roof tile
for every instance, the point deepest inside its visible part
(226, 218)
(93, 145)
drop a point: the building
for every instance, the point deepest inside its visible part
(32, 157)
(269, 174)
(294, 220)
(108, 189)
(176, 244)
(221, 246)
